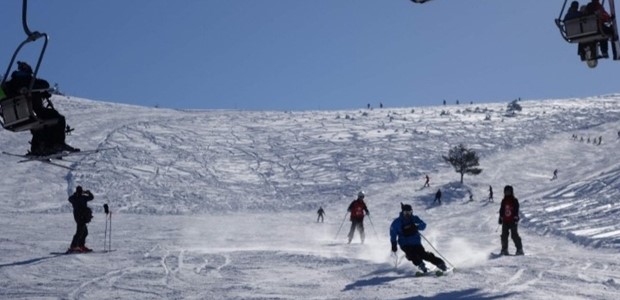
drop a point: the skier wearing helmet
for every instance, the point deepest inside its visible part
(357, 209)
(509, 218)
(405, 231)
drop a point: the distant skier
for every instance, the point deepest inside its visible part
(490, 193)
(555, 174)
(437, 196)
(357, 209)
(471, 196)
(320, 212)
(428, 179)
(405, 231)
(82, 215)
(509, 219)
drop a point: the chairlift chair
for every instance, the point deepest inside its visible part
(16, 111)
(588, 30)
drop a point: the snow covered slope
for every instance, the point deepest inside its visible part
(222, 204)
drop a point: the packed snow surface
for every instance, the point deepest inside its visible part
(221, 204)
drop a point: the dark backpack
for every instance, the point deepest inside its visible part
(85, 215)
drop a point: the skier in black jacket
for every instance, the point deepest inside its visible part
(82, 215)
(509, 219)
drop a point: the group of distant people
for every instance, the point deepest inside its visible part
(592, 8)
(457, 102)
(595, 141)
(438, 193)
(380, 105)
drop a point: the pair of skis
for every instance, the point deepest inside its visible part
(53, 158)
(437, 272)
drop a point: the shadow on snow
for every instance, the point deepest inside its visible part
(30, 261)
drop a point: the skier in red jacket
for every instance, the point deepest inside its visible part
(357, 209)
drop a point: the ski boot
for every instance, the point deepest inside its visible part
(74, 250)
(442, 267)
(519, 252)
(68, 148)
(422, 267)
(504, 252)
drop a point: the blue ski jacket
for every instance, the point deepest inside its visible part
(399, 232)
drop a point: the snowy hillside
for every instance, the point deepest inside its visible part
(222, 204)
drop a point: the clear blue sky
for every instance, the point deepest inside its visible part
(298, 55)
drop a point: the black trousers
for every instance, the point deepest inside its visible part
(79, 238)
(359, 224)
(416, 254)
(512, 229)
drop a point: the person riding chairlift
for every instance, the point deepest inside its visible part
(49, 139)
(592, 8)
(596, 8)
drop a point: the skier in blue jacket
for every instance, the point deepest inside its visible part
(404, 230)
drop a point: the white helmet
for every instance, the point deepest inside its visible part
(361, 194)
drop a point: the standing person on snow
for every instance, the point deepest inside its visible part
(82, 215)
(509, 218)
(490, 193)
(427, 184)
(320, 212)
(405, 231)
(357, 209)
(437, 196)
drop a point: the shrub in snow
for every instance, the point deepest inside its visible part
(463, 160)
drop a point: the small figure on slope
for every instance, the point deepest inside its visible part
(509, 219)
(320, 213)
(357, 209)
(437, 196)
(404, 231)
(427, 184)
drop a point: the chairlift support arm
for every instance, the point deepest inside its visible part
(30, 37)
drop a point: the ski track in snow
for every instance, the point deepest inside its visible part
(222, 204)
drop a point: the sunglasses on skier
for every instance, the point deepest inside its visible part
(407, 213)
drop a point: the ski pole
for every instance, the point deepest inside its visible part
(344, 219)
(436, 250)
(373, 227)
(110, 244)
(395, 256)
(105, 235)
(397, 259)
